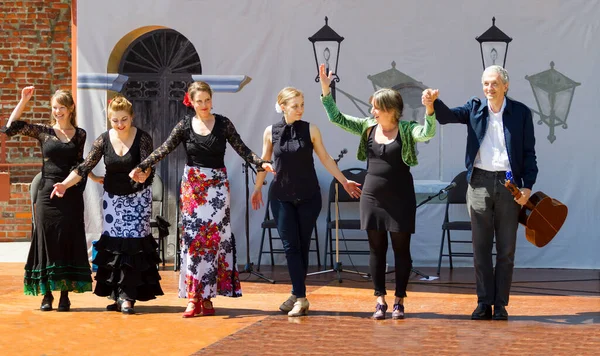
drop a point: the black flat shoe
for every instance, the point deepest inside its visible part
(64, 304)
(482, 312)
(47, 302)
(113, 307)
(500, 313)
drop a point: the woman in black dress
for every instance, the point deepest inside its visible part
(296, 196)
(127, 253)
(388, 202)
(58, 258)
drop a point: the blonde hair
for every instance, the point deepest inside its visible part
(196, 87)
(388, 100)
(64, 97)
(120, 103)
(288, 93)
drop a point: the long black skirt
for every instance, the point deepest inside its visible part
(58, 258)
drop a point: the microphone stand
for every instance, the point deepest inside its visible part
(249, 267)
(413, 270)
(338, 264)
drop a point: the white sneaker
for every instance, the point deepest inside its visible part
(288, 304)
(300, 307)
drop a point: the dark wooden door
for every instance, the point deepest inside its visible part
(160, 65)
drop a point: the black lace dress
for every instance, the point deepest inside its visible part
(127, 255)
(58, 258)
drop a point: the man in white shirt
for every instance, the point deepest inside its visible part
(500, 138)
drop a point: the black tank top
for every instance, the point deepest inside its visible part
(295, 176)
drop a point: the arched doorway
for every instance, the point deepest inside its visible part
(159, 65)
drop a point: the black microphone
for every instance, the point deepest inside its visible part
(450, 186)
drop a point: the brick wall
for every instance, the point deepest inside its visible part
(35, 49)
(15, 219)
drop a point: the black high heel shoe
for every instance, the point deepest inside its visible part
(64, 304)
(47, 302)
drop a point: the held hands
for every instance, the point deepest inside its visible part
(27, 93)
(352, 188)
(256, 199)
(138, 175)
(325, 79)
(525, 194)
(268, 167)
(59, 190)
(428, 97)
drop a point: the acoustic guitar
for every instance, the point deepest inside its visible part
(542, 215)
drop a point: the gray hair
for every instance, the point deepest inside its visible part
(499, 70)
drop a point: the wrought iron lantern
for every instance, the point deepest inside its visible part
(326, 46)
(494, 46)
(553, 92)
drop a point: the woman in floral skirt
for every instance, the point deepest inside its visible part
(208, 265)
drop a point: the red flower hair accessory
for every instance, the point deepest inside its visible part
(186, 100)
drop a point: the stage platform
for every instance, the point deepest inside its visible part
(552, 312)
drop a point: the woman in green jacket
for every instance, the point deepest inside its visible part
(387, 203)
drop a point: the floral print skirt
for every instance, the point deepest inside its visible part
(208, 262)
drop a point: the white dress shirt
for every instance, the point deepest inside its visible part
(492, 155)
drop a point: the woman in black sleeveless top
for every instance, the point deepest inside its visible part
(296, 196)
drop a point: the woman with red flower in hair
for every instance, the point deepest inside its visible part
(208, 265)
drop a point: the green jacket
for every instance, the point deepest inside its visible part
(410, 131)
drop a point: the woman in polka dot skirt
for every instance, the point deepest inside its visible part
(127, 253)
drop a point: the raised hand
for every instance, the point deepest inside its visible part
(27, 93)
(58, 191)
(429, 96)
(352, 188)
(256, 199)
(325, 79)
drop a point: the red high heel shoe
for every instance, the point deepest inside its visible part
(197, 310)
(207, 311)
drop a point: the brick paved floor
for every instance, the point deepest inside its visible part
(552, 312)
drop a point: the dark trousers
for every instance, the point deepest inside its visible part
(378, 244)
(493, 212)
(295, 223)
